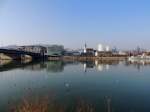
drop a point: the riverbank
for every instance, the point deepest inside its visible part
(85, 58)
(67, 58)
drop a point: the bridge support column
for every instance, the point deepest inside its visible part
(25, 58)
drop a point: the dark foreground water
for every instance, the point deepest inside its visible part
(56, 86)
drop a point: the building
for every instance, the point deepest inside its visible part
(88, 51)
(103, 53)
(33, 49)
(100, 48)
(107, 48)
(48, 50)
(54, 50)
(72, 53)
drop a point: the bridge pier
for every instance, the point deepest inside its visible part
(26, 57)
(11, 54)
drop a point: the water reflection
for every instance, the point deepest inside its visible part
(51, 66)
(138, 64)
(114, 91)
(58, 66)
(4, 62)
(100, 65)
(108, 104)
(50, 103)
(55, 66)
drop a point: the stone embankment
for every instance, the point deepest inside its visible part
(4, 57)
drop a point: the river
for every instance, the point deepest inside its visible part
(58, 86)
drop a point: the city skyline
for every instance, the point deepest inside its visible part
(71, 23)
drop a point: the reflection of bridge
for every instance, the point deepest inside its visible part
(17, 54)
(38, 65)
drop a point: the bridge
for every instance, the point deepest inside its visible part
(17, 54)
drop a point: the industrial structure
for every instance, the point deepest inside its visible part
(32, 52)
(56, 52)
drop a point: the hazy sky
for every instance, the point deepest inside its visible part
(121, 23)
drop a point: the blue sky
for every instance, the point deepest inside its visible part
(121, 23)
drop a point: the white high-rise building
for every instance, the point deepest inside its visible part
(107, 48)
(100, 47)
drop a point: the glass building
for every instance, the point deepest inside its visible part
(54, 50)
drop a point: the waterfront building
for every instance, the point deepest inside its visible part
(72, 53)
(107, 48)
(100, 48)
(89, 52)
(54, 50)
(122, 53)
(33, 49)
(48, 50)
(115, 50)
(103, 53)
(96, 53)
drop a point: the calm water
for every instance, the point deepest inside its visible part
(74, 86)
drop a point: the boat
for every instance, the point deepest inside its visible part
(138, 58)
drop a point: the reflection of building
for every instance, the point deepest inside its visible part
(137, 64)
(107, 67)
(50, 66)
(84, 67)
(88, 65)
(54, 66)
(101, 66)
(108, 104)
(36, 67)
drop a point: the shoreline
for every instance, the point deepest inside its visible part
(68, 58)
(85, 58)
